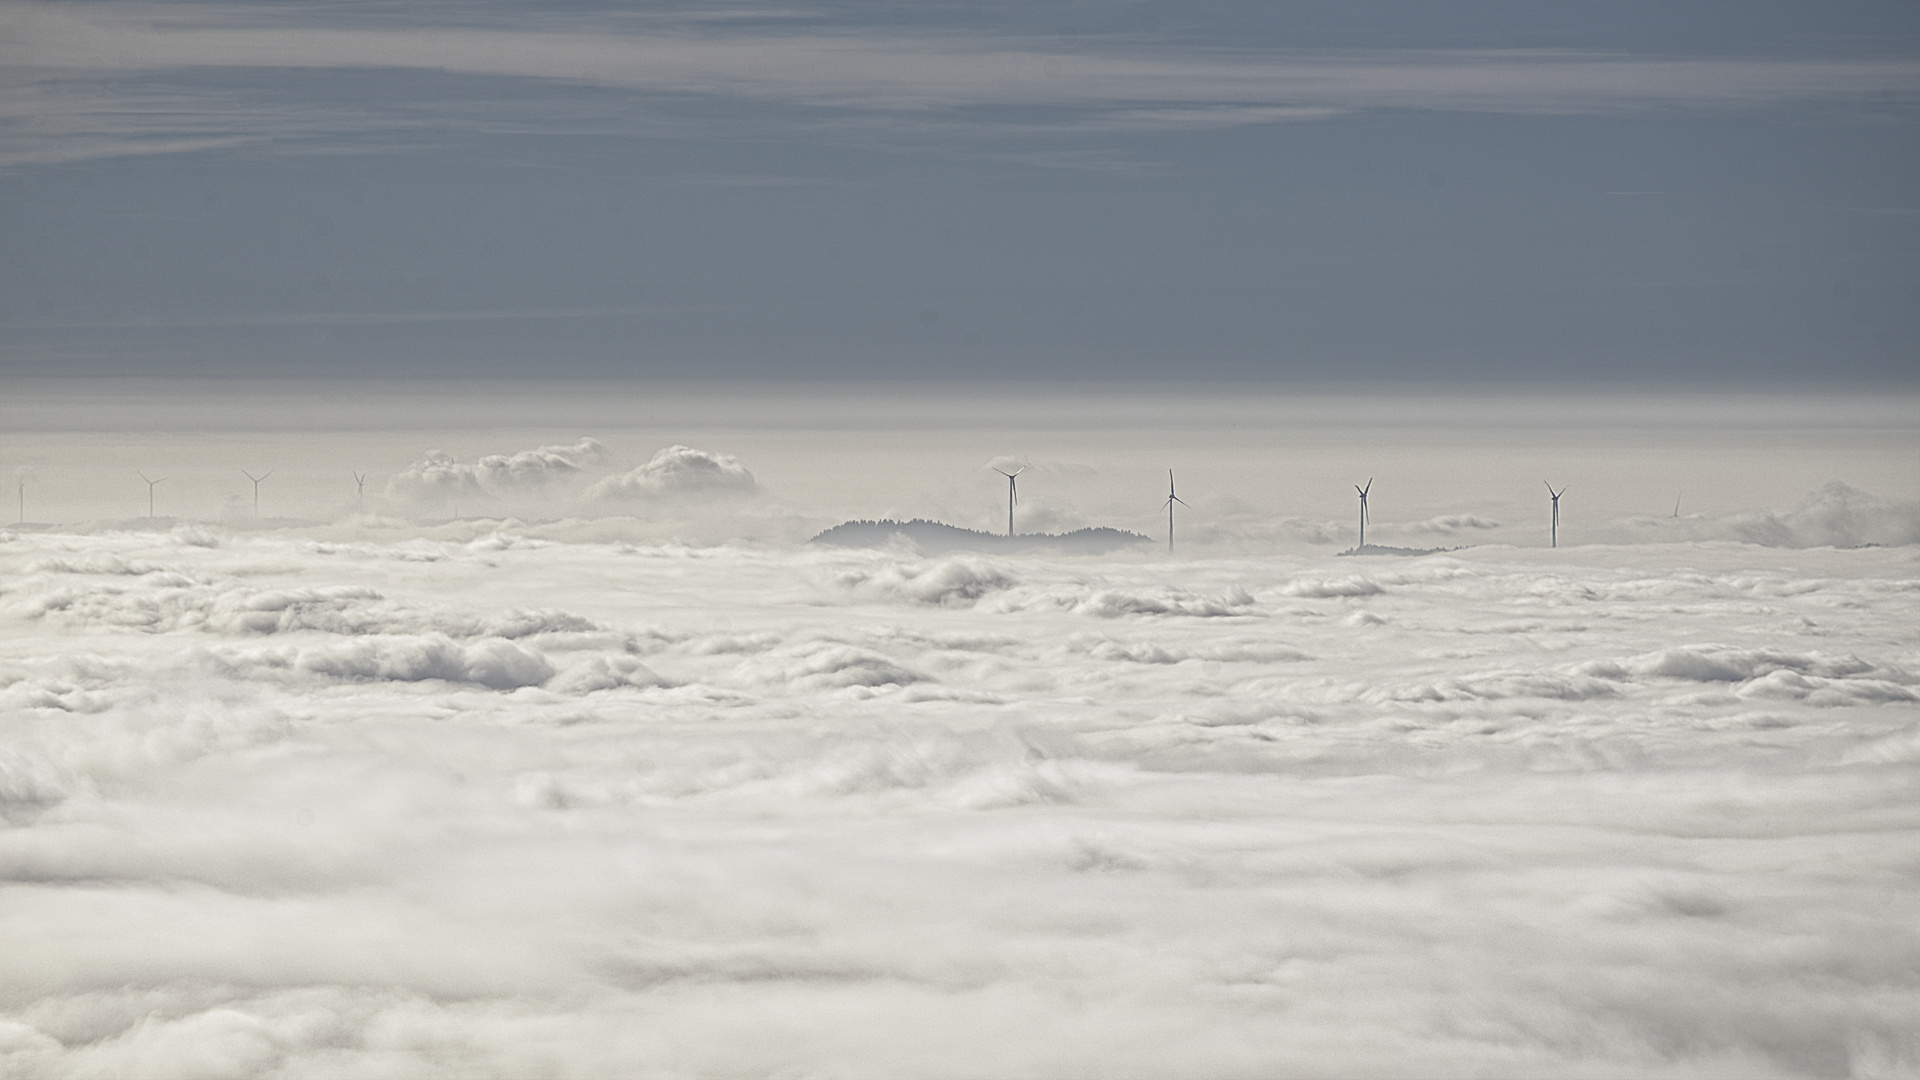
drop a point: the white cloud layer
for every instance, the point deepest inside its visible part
(504, 805)
(438, 477)
(677, 470)
(1836, 515)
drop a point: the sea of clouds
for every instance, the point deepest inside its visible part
(544, 797)
(557, 751)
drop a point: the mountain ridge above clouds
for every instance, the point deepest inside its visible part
(933, 537)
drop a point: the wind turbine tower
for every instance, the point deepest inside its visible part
(1556, 511)
(360, 487)
(23, 499)
(1363, 509)
(1013, 493)
(150, 487)
(1171, 499)
(256, 487)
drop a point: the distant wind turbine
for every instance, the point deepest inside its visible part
(23, 499)
(1556, 511)
(1676, 506)
(1171, 499)
(360, 486)
(1013, 493)
(256, 487)
(1363, 509)
(150, 486)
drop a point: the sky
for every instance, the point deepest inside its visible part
(1711, 194)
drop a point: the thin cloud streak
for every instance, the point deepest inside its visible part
(49, 47)
(370, 318)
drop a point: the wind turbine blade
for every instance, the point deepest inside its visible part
(1178, 499)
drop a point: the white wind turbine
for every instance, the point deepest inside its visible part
(1171, 499)
(150, 486)
(1363, 509)
(1555, 495)
(1013, 493)
(256, 487)
(360, 487)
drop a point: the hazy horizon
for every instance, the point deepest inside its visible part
(1258, 467)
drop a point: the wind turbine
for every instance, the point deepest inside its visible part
(1171, 499)
(1363, 510)
(360, 486)
(1556, 511)
(1676, 506)
(23, 498)
(150, 485)
(1013, 493)
(256, 487)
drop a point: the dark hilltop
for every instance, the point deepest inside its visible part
(1381, 549)
(934, 537)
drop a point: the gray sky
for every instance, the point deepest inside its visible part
(1705, 193)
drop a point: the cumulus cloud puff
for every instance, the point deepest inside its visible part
(945, 581)
(678, 470)
(1452, 524)
(1837, 515)
(440, 477)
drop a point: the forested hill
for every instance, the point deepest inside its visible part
(934, 536)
